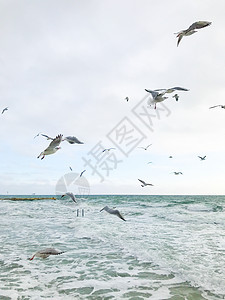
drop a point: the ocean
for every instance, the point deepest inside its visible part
(170, 247)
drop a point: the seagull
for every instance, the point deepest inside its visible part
(69, 139)
(108, 149)
(71, 195)
(178, 173)
(202, 157)
(113, 212)
(53, 146)
(5, 109)
(37, 135)
(173, 89)
(176, 96)
(82, 173)
(222, 106)
(145, 148)
(46, 253)
(191, 29)
(170, 156)
(126, 99)
(144, 183)
(150, 162)
(71, 169)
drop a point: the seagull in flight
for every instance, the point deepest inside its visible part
(53, 146)
(178, 173)
(69, 139)
(222, 106)
(113, 212)
(46, 253)
(82, 173)
(176, 96)
(143, 183)
(5, 109)
(71, 169)
(127, 99)
(108, 149)
(170, 156)
(191, 29)
(145, 148)
(202, 157)
(71, 195)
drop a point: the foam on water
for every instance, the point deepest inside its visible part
(168, 247)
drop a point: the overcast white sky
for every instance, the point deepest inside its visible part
(66, 67)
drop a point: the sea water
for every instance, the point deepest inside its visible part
(170, 247)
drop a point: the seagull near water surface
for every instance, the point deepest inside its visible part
(191, 29)
(143, 183)
(113, 212)
(71, 195)
(46, 253)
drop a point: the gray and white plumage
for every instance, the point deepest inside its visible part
(143, 183)
(5, 109)
(156, 97)
(46, 253)
(191, 29)
(71, 195)
(69, 139)
(221, 106)
(113, 212)
(202, 157)
(53, 146)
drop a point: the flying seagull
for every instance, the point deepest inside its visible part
(37, 135)
(176, 96)
(82, 173)
(170, 156)
(113, 212)
(222, 106)
(202, 157)
(53, 146)
(46, 253)
(178, 173)
(108, 149)
(69, 139)
(126, 99)
(191, 29)
(143, 183)
(5, 109)
(71, 195)
(71, 169)
(145, 148)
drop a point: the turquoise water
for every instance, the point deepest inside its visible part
(170, 247)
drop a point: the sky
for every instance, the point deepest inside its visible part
(66, 68)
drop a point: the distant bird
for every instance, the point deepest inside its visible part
(46, 253)
(178, 173)
(145, 148)
(82, 173)
(170, 156)
(143, 183)
(37, 135)
(108, 149)
(5, 109)
(69, 139)
(191, 29)
(222, 106)
(150, 162)
(202, 157)
(71, 195)
(113, 212)
(176, 96)
(71, 169)
(126, 99)
(53, 146)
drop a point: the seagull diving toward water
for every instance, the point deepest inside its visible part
(145, 148)
(113, 212)
(143, 183)
(222, 106)
(191, 29)
(46, 253)
(71, 195)
(69, 139)
(178, 173)
(202, 157)
(53, 146)
(5, 109)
